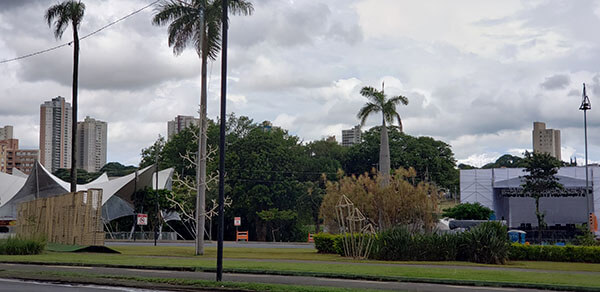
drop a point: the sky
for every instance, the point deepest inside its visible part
(477, 73)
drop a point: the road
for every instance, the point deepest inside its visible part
(8, 285)
(253, 278)
(214, 244)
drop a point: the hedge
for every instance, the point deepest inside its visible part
(328, 243)
(555, 253)
(486, 243)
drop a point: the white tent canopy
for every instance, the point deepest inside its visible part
(116, 197)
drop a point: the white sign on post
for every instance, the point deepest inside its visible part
(237, 221)
(142, 219)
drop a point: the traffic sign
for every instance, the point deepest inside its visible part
(237, 221)
(142, 219)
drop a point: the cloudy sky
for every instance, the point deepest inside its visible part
(477, 73)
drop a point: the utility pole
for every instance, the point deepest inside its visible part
(221, 221)
(586, 105)
(156, 199)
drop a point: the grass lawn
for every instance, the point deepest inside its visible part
(163, 283)
(273, 261)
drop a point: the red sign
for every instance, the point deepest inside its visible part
(142, 219)
(237, 221)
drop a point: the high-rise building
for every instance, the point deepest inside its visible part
(179, 123)
(6, 133)
(55, 134)
(12, 157)
(546, 140)
(91, 144)
(351, 136)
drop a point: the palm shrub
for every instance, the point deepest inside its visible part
(400, 244)
(21, 246)
(487, 243)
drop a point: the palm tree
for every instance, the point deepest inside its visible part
(198, 23)
(69, 11)
(379, 103)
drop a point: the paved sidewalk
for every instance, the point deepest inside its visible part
(271, 279)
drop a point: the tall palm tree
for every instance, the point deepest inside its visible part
(378, 102)
(69, 11)
(198, 23)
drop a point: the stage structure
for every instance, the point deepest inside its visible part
(500, 190)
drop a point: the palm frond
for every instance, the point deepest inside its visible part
(366, 111)
(57, 15)
(399, 99)
(169, 11)
(61, 14)
(240, 7)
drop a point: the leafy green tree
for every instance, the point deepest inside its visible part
(60, 15)
(466, 166)
(149, 154)
(198, 22)
(83, 176)
(263, 174)
(540, 180)
(277, 220)
(468, 211)
(378, 103)
(432, 159)
(117, 169)
(506, 160)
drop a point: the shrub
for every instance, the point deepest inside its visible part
(486, 243)
(399, 244)
(326, 243)
(569, 253)
(19, 246)
(468, 211)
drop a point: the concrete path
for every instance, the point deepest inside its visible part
(9, 285)
(251, 244)
(272, 279)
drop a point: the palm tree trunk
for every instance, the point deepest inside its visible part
(384, 156)
(384, 168)
(74, 114)
(201, 167)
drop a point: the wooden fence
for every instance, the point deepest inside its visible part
(72, 218)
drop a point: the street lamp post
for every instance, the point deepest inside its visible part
(221, 220)
(586, 105)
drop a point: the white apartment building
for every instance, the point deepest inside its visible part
(6, 133)
(351, 136)
(55, 134)
(91, 144)
(546, 140)
(179, 123)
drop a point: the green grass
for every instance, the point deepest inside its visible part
(274, 261)
(86, 278)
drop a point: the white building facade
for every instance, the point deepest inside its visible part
(179, 123)
(55, 134)
(91, 144)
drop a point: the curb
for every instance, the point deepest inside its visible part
(472, 283)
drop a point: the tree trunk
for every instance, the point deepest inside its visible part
(384, 156)
(384, 168)
(540, 218)
(74, 112)
(201, 160)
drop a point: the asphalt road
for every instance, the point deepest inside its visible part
(272, 279)
(214, 244)
(8, 285)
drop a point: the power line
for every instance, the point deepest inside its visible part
(82, 38)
